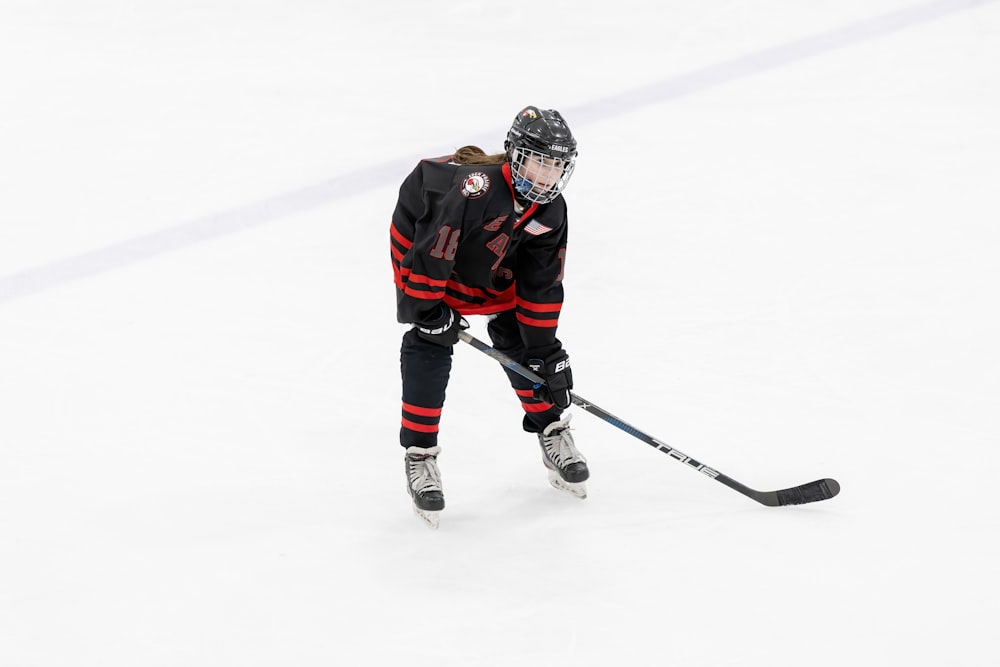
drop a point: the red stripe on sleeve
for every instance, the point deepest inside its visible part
(426, 280)
(421, 294)
(402, 240)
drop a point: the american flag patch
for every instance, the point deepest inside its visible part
(535, 228)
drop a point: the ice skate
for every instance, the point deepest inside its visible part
(424, 483)
(567, 468)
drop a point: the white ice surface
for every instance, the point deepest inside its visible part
(783, 261)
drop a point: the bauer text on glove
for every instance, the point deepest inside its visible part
(558, 378)
(442, 330)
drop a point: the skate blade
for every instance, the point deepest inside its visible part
(576, 489)
(432, 519)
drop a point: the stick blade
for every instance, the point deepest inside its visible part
(821, 489)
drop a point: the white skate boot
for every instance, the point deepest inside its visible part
(424, 483)
(567, 468)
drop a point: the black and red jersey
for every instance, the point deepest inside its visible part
(456, 238)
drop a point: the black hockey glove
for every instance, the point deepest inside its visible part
(444, 329)
(558, 379)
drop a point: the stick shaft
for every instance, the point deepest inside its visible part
(821, 489)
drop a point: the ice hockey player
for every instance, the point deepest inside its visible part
(479, 234)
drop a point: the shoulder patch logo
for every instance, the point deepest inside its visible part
(475, 185)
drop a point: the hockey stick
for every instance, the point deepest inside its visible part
(821, 489)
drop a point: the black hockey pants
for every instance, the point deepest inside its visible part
(426, 367)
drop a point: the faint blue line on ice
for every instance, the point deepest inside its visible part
(117, 255)
(766, 59)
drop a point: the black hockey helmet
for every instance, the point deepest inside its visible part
(542, 154)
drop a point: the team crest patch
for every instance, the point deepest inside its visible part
(475, 185)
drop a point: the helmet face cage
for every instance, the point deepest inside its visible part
(542, 154)
(539, 177)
